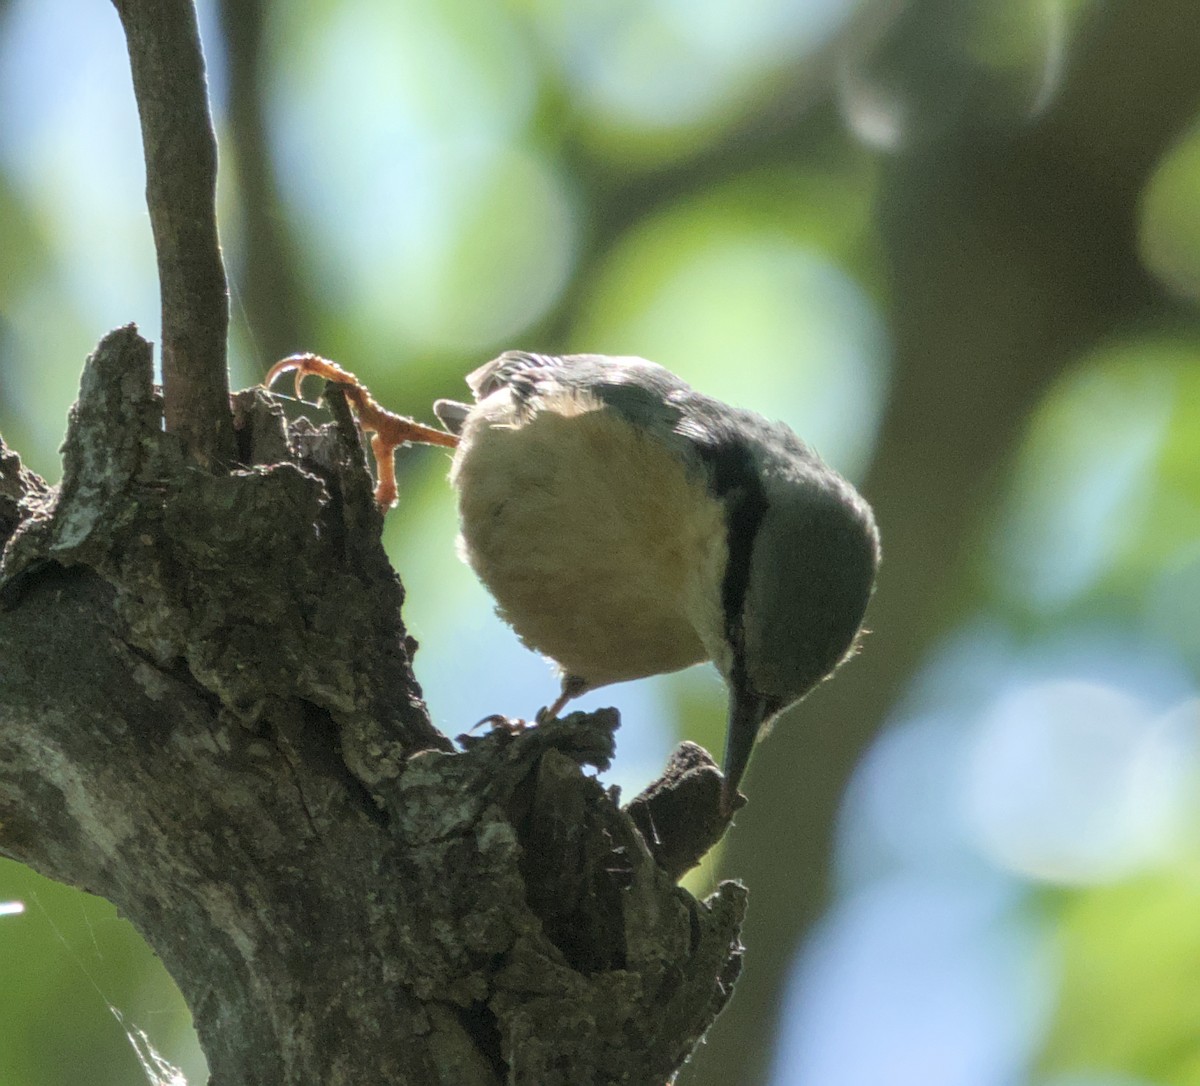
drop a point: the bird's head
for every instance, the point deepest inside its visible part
(810, 572)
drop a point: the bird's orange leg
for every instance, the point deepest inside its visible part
(572, 687)
(388, 431)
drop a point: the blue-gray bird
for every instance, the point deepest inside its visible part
(627, 525)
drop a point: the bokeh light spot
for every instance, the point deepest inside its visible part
(1085, 479)
(935, 67)
(1169, 229)
(458, 233)
(672, 72)
(1070, 782)
(916, 983)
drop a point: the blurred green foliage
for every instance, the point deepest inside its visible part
(954, 243)
(1128, 993)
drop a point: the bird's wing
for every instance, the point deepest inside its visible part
(730, 443)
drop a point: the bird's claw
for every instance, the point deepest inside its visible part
(309, 365)
(498, 722)
(388, 431)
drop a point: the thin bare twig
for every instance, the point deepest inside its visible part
(181, 175)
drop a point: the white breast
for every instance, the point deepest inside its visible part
(603, 552)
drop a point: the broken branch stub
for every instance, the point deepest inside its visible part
(208, 715)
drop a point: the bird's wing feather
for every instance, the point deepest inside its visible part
(652, 398)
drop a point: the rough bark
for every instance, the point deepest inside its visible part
(207, 716)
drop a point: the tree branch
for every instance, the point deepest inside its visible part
(181, 175)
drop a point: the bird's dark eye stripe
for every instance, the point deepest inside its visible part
(734, 480)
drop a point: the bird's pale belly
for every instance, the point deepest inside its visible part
(600, 549)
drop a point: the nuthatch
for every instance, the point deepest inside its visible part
(627, 526)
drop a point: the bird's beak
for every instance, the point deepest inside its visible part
(747, 714)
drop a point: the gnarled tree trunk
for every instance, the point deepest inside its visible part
(208, 716)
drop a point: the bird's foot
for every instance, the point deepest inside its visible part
(517, 725)
(498, 722)
(572, 687)
(388, 430)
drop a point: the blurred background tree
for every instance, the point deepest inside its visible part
(954, 243)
